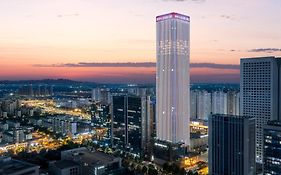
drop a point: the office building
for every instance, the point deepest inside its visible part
(231, 145)
(260, 93)
(131, 123)
(172, 78)
(272, 148)
(167, 151)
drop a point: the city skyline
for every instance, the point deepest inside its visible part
(47, 39)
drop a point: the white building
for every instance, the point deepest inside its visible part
(203, 105)
(219, 102)
(259, 91)
(172, 79)
(193, 104)
(64, 125)
(96, 94)
(233, 101)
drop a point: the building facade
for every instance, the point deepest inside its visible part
(272, 148)
(131, 123)
(172, 78)
(219, 102)
(231, 145)
(233, 102)
(259, 89)
(204, 105)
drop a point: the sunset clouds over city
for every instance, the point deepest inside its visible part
(114, 41)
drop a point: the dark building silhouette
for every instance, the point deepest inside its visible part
(231, 145)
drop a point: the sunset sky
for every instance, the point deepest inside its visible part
(49, 38)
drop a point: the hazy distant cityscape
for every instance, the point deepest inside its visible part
(46, 116)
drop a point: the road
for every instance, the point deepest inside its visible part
(49, 106)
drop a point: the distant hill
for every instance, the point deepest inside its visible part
(49, 82)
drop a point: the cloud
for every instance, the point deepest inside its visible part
(215, 66)
(67, 15)
(227, 17)
(234, 50)
(266, 50)
(214, 40)
(138, 64)
(84, 64)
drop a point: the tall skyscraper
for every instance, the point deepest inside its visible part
(172, 79)
(260, 93)
(272, 148)
(131, 123)
(231, 145)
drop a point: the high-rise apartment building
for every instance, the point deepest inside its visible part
(193, 104)
(260, 93)
(96, 94)
(219, 102)
(203, 105)
(231, 145)
(172, 79)
(233, 102)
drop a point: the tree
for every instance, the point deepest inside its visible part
(139, 168)
(132, 166)
(94, 108)
(144, 169)
(166, 167)
(152, 171)
(175, 168)
(182, 171)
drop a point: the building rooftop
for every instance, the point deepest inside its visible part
(10, 166)
(232, 116)
(260, 58)
(86, 156)
(172, 15)
(62, 164)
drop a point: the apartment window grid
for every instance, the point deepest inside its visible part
(257, 95)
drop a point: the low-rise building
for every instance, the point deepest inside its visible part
(93, 162)
(64, 167)
(9, 166)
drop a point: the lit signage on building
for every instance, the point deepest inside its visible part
(172, 15)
